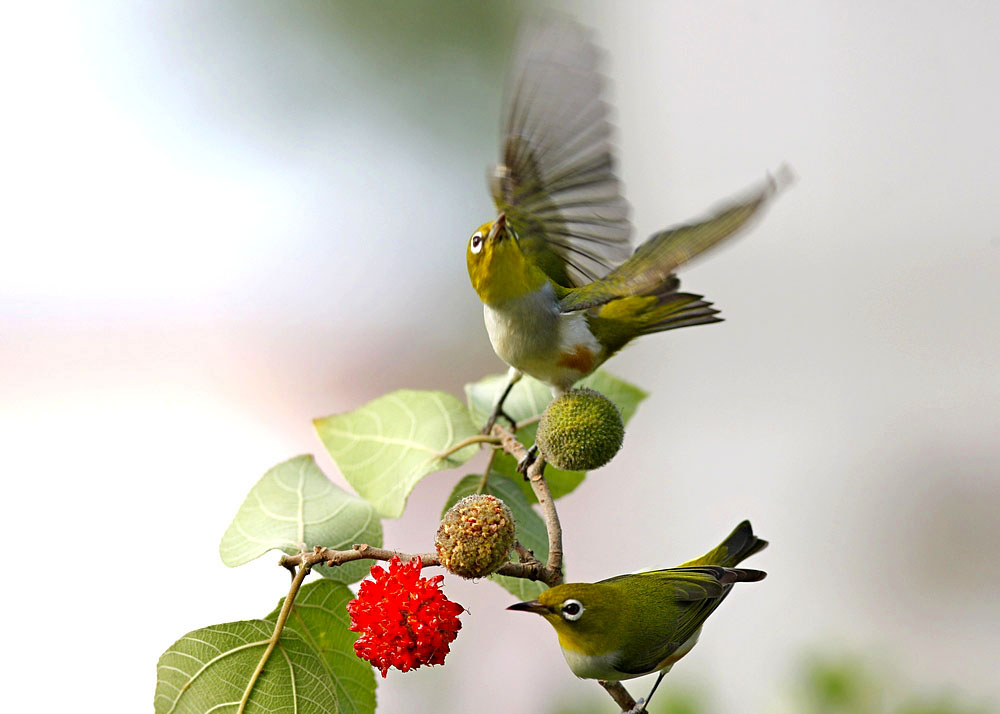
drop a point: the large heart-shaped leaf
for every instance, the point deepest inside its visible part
(526, 401)
(386, 447)
(295, 507)
(210, 670)
(529, 527)
(319, 616)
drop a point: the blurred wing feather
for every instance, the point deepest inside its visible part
(556, 181)
(654, 262)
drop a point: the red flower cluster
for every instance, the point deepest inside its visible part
(405, 620)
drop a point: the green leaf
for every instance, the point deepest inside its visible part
(386, 447)
(319, 616)
(295, 507)
(627, 396)
(527, 400)
(528, 526)
(529, 397)
(210, 670)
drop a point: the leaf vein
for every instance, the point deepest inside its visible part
(208, 664)
(291, 674)
(378, 438)
(268, 512)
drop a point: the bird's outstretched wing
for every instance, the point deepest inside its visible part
(556, 181)
(650, 269)
(677, 602)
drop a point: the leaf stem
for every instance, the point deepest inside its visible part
(528, 422)
(481, 488)
(474, 439)
(286, 609)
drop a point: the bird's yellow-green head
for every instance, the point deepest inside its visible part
(498, 268)
(586, 616)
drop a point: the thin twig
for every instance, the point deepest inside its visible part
(524, 555)
(536, 477)
(327, 556)
(532, 570)
(619, 694)
(275, 636)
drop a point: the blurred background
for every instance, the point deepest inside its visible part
(222, 219)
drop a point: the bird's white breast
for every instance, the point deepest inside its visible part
(532, 335)
(603, 666)
(593, 666)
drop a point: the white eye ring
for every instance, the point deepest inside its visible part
(572, 610)
(477, 242)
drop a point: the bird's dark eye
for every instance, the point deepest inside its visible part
(477, 242)
(572, 610)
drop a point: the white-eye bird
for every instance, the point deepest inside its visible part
(561, 286)
(631, 625)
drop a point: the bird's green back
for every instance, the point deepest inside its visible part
(666, 608)
(644, 617)
(643, 620)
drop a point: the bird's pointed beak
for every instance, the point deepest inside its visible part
(497, 229)
(530, 606)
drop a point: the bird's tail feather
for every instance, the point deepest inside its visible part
(675, 310)
(739, 545)
(742, 575)
(620, 321)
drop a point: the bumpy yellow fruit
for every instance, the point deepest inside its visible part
(475, 536)
(581, 430)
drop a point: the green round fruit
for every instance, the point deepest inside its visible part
(475, 536)
(580, 431)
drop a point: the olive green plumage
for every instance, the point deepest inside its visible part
(640, 623)
(580, 431)
(475, 536)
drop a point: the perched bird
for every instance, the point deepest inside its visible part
(637, 624)
(561, 286)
